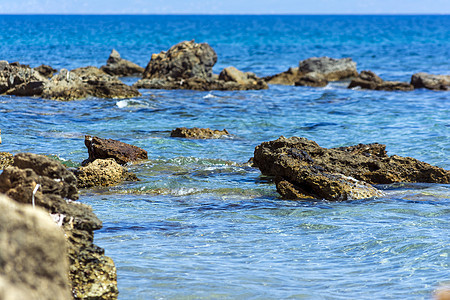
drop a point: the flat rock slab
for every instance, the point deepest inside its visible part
(122, 153)
(198, 133)
(431, 82)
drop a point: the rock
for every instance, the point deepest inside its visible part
(289, 77)
(20, 80)
(303, 168)
(188, 65)
(198, 133)
(65, 86)
(122, 153)
(45, 183)
(33, 259)
(332, 69)
(371, 81)
(312, 79)
(117, 66)
(46, 71)
(102, 172)
(430, 81)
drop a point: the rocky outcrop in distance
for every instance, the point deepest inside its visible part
(370, 81)
(46, 70)
(188, 65)
(303, 169)
(117, 66)
(198, 133)
(431, 82)
(43, 182)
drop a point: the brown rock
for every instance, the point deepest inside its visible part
(117, 66)
(246, 81)
(33, 260)
(122, 153)
(6, 159)
(371, 81)
(20, 80)
(301, 167)
(430, 81)
(312, 79)
(46, 71)
(102, 172)
(65, 86)
(198, 133)
(332, 69)
(289, 77)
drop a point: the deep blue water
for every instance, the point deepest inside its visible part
(201, 226)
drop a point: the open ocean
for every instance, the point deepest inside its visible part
(199, 225)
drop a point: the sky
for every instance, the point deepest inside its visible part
(225, 7)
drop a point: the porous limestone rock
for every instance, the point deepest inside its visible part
(198, 133)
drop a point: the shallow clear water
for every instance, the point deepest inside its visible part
(200, 224)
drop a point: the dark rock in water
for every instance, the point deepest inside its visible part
(102, 172)
(371, 81)
(117, 66)
(304, 169)
(198, 133)
(6, 159)
(122, 153)
(46, 71)
(289, 77)
(188, 65)
(33, 257)
(430, 81)
(45, 183)
(312, 79)
(332, 69)
(20, 80)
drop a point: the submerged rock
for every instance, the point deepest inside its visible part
(20, 80)
(198, 133)
(304, 169)
(45, 183)
(103, 172)
(431, 82)
(188, 65)
(371, 81)
(117, 66)
(33, 257)
(46, 71)
(122, 153)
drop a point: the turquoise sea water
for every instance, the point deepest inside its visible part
(199, 225)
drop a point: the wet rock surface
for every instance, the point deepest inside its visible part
(430, 81)
(117, 66)
(370, 81)
(33, 259)
(103, 172)
(45, 183)
(122, 153)
(304, 169)
(198, 133)
(188, 65)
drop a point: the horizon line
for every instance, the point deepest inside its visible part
(226, 14)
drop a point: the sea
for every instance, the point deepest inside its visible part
(201, 224)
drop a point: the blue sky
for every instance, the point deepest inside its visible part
(225, 7)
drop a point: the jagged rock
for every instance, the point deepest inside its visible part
(313, 79)
(65, 86)
(289, 77)
(303, 168)
(371, 81)
(6, 159)
(45, 183)
(188, 65)
(332, 69)
(122, 153)
(430, 81)
(102, 172)
(20, 80)
(46, 71)
(198, 133)
(117, 66)
(33, 259)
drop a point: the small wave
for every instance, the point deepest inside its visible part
(209, 96)
(122, 103)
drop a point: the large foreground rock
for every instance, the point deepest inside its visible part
(45, 183)
(430, 81)
(33, 257)
(198, 133)
(122, 153)
(117, 66)
(304, 169)
(188, 65)
(370, 81)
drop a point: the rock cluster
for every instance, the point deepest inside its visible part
(430, 81)
(33, 259)
(188, 65)
(198, 133)
(371, 81)
(304, 169)
(117, 66)
(20, 80)
(45, 183)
